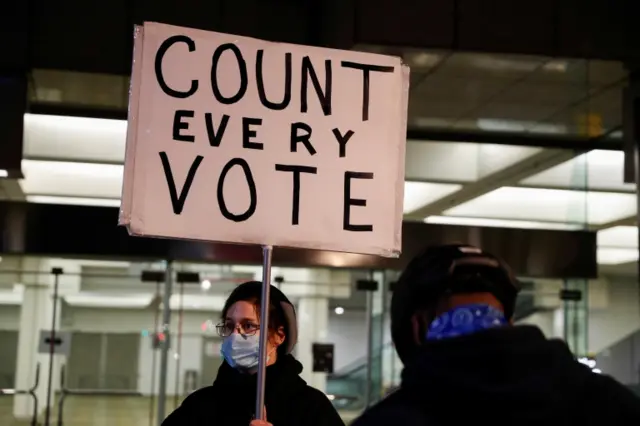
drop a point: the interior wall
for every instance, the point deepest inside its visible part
(622, 360)
(130, 320)
(9, 317)
(621, 317)
(8, 355)
(139, 320)
(149, 370)
(118, 324)
(348, 333)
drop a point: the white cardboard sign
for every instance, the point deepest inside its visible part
(239, 140)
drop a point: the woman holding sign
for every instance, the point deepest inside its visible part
(289, 401)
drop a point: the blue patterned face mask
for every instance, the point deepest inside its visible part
(464, 320)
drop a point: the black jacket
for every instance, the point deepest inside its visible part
(231, 400)
(503, 376)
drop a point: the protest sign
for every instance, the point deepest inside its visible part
(239, 140)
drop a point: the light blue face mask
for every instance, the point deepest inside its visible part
(241, 351)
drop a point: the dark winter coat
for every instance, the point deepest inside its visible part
(503, 376)
(231, 400)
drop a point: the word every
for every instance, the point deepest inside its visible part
(300, 132)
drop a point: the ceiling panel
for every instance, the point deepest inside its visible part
(594, 115)
(71, 179)
(514, 112)
(544, 94)
(500, 223)
(70, 88)
(549, 205)
(454, 162)
(596, 170)
(619, 237)
(602, 73)
(418, 194)
(55, 137)
(616, 256)
(74, 201)
(481, 66)
(440, 87)
(562, 71)
(424, 112)
(537, 92)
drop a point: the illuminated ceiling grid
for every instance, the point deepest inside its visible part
(74, 160)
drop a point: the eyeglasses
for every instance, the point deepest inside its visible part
(246, 328)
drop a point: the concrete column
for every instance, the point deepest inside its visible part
(36, 315)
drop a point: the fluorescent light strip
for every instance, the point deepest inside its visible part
(12, 298)
(72, 169)
(98, 300)
(500, 223)
(548, 205)
(616, 256)
(618, 237)
(76, 201)
(418, 194)
(74, 123)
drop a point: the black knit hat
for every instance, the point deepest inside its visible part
(277, 299)
(442, 270)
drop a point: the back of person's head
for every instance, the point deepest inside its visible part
(282, 316)
(441, 279)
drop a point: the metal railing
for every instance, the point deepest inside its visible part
(31, 392)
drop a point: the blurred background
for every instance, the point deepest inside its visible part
(521, 138)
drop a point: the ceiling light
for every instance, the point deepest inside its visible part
(557, 205)
(197, 302)
(419, 194)
(555, 66)
(206, 284)
(616, 256)
(339, 310)
(618, 237)
(500, 223)
(75, 201)
(10, 298)
(72, 168)
(423, 59)
(101, 300)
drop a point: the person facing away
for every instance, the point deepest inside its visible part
(465, 363)
(231, 400)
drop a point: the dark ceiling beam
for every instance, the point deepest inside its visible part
(91, 232)
(517, 139)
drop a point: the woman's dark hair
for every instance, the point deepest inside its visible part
(252, 292)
